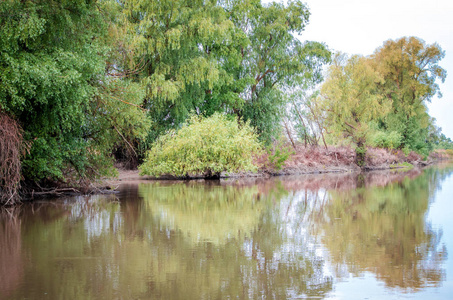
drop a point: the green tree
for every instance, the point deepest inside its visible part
(203, 146)
(54, 83)
(274, 59)
(51, 55)
(185, 47)
(220, 56)
(351, 99)
(442, 142)
(411, 73)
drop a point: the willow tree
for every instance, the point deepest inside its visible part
(230, 56)
(351, 98)
(411, 73)
(181, 44)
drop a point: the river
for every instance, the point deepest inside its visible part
(379, 235)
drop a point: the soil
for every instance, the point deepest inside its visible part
(306, 161)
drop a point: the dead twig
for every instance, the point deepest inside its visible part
(11, 146)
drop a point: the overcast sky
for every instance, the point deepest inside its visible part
(361, 26)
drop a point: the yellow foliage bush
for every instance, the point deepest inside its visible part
(203, 147)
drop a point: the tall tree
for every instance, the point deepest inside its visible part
(49, 59)
(230, 56)
(351, 99)
(411, 73)
(308, 116)
(53, 82)
(186, 46)
(275, 58)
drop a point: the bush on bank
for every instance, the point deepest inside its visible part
(203, 147)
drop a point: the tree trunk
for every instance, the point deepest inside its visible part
(303, 123)
(289, 134)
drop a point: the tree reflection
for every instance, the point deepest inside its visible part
(383, 230)
(144, 246)
(288, 265)
(242, 247)
(244, 239)
(204, 212)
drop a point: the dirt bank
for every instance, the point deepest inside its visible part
(314, 160)
(302, 161)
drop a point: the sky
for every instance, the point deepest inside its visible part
(361, 26)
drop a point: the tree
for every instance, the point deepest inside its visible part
(185, 47)
(351, 99)
(203, 146)
(308, 116)
(220, 56)
(49, 59)
(54, 83)
(275, 58)
(411, 72)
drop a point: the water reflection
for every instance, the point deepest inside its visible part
(204, 212)
(383, 230)
(289, 237)
(11, 260)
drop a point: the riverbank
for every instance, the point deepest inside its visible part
(304, 160)
(311, 160)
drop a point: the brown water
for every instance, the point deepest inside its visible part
(384, 235)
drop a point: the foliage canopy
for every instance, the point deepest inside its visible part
(351, 99)
(53, 71)
(221, 56)
(411, 73)
(381, 99)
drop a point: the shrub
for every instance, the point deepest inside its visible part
(389, 140)
(279, 155)
(203, 146)
(449, 152)
(278, 159)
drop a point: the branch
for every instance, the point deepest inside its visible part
(141, 66)
(350, 125)
(258, 78)
(128, 103)
(132, 148)
(57, 192)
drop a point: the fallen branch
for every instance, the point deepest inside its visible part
(57, 192)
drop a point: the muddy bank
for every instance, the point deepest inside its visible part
(302, 161)
(313, 160)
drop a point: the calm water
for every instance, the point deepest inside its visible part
(380, 236)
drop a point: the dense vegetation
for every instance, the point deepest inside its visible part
(55, 84)
(382, 98)
(86, 82)
(204, 147)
